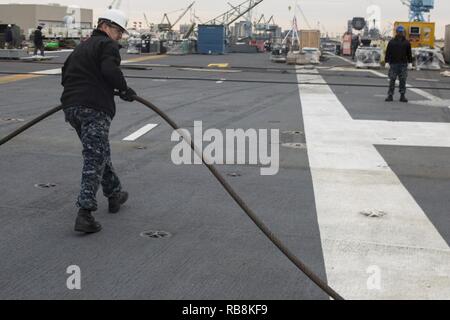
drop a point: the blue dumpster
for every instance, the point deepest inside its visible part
(211, 39)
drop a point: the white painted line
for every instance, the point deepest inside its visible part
(221, 81)
(342, 58)
(429, 80)
(349, 177)
(140, 132)
(418, 134)
(424, 94)
(442, 103)
(420, 92)
(377, 73)
(48, 72)
(59, 51)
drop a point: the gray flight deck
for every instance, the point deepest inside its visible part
(215, 251)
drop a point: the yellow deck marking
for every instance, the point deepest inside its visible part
(140, 59)
(17, 77)
(218, 65)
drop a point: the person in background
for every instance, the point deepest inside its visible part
(398, 56)
(9, 38)
(356, 41)
(38, 40)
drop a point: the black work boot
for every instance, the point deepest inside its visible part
(116, 201)
(403, 98)
(389, 98)
(86, 223)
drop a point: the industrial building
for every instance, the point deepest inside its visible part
(242, 29)
(53, 17)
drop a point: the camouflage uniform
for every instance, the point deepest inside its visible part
(399, 70)
(92, 127)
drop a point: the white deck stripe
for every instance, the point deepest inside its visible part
(420, 92)
(136, 135)
(48, 72)
(419, 134)
(349, 175)
(342, 58)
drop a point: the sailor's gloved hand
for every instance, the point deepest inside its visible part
(387, 66)
(410, 66)
(127, 95)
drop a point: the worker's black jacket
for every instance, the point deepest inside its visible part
(38, 38)
(399, 51)
(91, 73)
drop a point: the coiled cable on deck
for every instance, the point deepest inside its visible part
(250, 213)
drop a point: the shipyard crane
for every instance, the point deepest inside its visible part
(235, 13)
(293, 36)
(193, 25)
(261, 19)
(303, 15)
(169, 26)
(263, 24)
(183, 14)
(190, 31)
(149, 25)
(417, 8)
(146, 21)
(115, 4)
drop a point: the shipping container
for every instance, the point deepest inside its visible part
(309, 39)
(211, 39)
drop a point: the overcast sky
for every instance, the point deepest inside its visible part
(332, 14)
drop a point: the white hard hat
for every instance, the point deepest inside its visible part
(9, 25)
(117, 17)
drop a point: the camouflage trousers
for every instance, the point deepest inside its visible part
(92, 127)
(399, 70)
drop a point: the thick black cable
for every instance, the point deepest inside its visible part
(138, 66)
(248, 81)
(30, 124)
(269, 70)
(250, 213)
(284, 82)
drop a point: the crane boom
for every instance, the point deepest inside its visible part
(235, 13)
(146, 21)
(189, 32)
(115, 4)
(182, 15)
(417, 8)
(263, 18)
